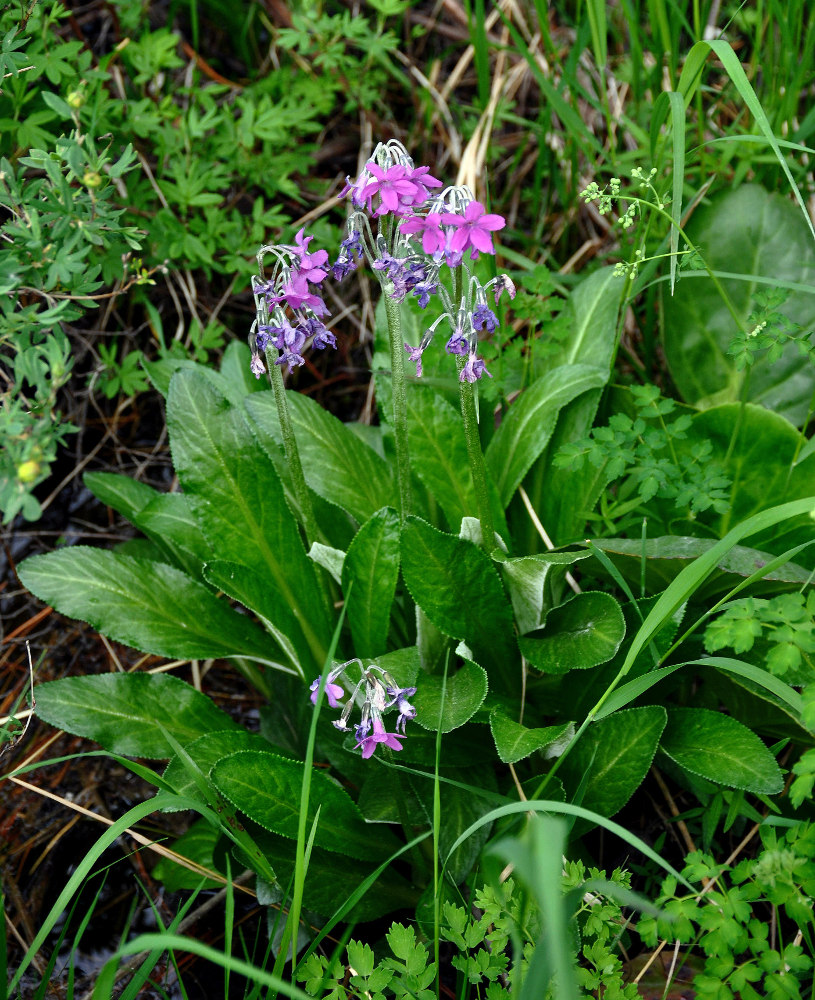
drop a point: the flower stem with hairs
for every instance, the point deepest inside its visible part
(400, 422)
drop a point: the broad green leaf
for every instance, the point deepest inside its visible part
(237, 373)
(721, 749)
(236, 497)
(583, 632)
(760, 464)
(594, 305)
(691, 577)
(461, 806)
(198, 845)
(532, 581)
(369, 575)
(438, 455)
(515, 742)
(459, 590)
(151, 606)
(337, 464)
(125, 712)
(332, 878)
(122, 493)
(547, 485)
(267, 788)
(289, 650)
(464, 694)
(329, 558)
(526, 428)
(206, 751)
(563, 498)
(615, 754)
(746, 235)
(665, 556)
(168, 521)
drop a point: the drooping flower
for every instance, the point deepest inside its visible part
(484, 318)
(473, 229)
(415, 355)
(399, 697)
(459, 342)
(333, 692)
(473, 370)
(369, 743)
(503, 283)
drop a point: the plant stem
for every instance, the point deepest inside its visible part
(298, 479)
(476, 456)
(399, 386)
(469, 416)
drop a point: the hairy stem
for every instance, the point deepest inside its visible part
(400, 424)
(298, 479)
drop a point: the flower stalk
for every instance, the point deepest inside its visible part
(400, 421)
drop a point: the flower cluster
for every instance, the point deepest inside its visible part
(295, 275)
(420, 231)
(379, 693)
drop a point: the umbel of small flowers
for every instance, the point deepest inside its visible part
(423, 237)
(378, 692)
(287, 304)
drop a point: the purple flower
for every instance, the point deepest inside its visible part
(399, 697)
(483, 316)
(423, 180)
(256, 366)
(433, 236)
(353, 244)
(473, 370)
(357, 191)
(423, 290)
(296, 294)
(397, 193)
(369, 743)
(333, 693)
(458, 342)
(311, 265)
(415, 355)
(503, 283)
(473, 228)
(343, 266)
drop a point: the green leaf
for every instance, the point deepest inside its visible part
(583, 632)
(526, 428)
(666, 555)
(614, 756)
(147, 605)
(125, 712)
(372, 566)
(332, 878)
(515, 742)
(206, 751)
(337, 464)
(267, 788)
(761, 446)
(122, 493)
(532, 582)
(721, 749)
(236, 497)
(457, 587)
(752, 239)
(287, 650)
(464, 693)
(438, 455)
(198, 845)
(168, 521)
